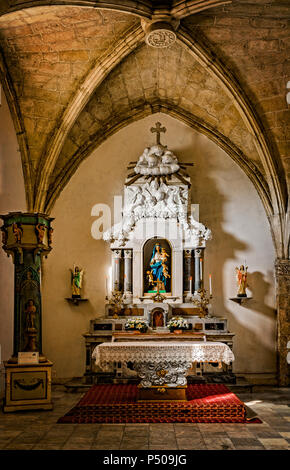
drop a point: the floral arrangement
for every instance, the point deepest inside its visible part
(177, 323)
(136, 324)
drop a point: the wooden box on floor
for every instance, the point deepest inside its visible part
(162, 393)
(27, 386)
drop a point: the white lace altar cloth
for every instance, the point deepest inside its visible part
(152, 352)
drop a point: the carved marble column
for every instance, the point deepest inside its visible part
(198, 268)
(128, 272)
(116, 269)
(282, 269)
(201, 268)
(187, 272)
(27, 237)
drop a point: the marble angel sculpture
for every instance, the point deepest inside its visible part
(157, 160)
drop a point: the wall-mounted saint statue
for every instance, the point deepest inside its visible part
(76, 281)
(241, 273)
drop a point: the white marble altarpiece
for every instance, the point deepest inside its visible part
(158, 252)
(158, 240)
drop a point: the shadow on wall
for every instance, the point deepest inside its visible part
(225, 249)
(217, 185)
(260, 289)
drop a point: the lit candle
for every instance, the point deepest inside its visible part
(107, 293)
(200, 267)
(190, 284)
(210, 288)
(110, 279)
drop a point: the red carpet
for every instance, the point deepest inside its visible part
(207, 403)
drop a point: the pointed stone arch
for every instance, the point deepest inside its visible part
(250, 118)
(51, 167)
(146, 8)
(111, 127)
(102, 68)
(274, 202)
(11, 97)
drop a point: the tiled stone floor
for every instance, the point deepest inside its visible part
(39, 429)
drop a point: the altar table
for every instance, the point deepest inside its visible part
(162, 363)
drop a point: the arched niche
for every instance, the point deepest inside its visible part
(157, 266)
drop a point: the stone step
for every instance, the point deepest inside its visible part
(76, 387)
(241, 385)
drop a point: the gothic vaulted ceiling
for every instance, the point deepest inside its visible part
(74, 72)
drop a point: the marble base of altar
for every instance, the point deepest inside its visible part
(162, 393)
(160, 364)
(104, 330)
(169, 373)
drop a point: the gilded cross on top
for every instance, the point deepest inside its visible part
(158, 129)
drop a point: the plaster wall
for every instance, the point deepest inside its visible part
(229, 205)
(12, 198)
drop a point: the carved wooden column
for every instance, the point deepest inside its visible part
(27, 237)
(282, 268)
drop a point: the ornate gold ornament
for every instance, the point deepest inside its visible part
(18, 231)
(158, 297)
(40, 232)
(116, 300)
(201, 302)
(162, 372)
